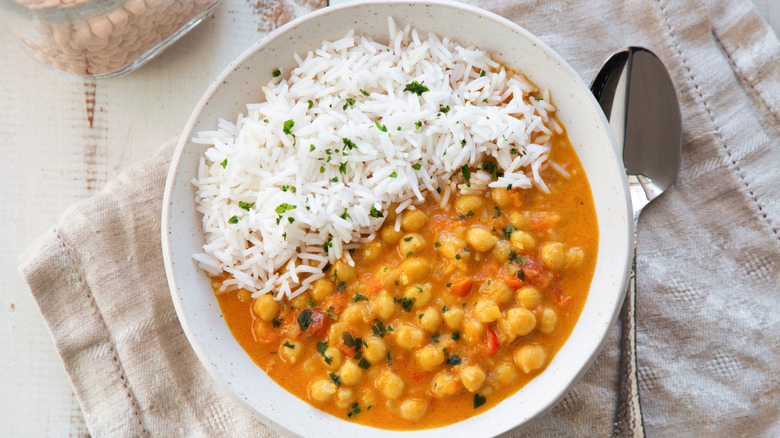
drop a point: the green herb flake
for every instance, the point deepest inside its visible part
(470, 213)
(436, 244)
(375, 212)
(406, 239)
(233, 220)
(453, 360)
(378, 328)
(363, 92)
(276, 73)
(342, 285)
(521, 275)
(394, 175)
(359, 297)
(508, 230)
(349, 143)
(305, 319)
(327, 244)
(311, 148)
(223, 163)
(321, 347)
(364, 364)
(382, 128)
(335, 179)
(416, 88)
(479, 400)
(435, 338)
(409, 254)
(289, 345)
(406, 303)
(245, 205)
(538, 99)
(444, 309)
(348, 339)
(283, 207)
(311, 104)
(354, 411)
(416, 166)
(444, 109)
(455, 336)
(482, 73)
(350, 102)
(335, 379)
(276, 323)
(418, 124)
(485, 101)
(322, 169)
(463, 142)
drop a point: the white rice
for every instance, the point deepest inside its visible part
(300, 199)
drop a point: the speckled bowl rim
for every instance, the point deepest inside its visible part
(199, 312)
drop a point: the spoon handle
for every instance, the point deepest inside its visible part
(628, 416)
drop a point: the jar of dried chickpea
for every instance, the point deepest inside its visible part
(100, 38)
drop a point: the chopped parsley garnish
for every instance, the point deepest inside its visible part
(409, 254)
(416, 88)
(359, 297)
(233, 220)
(378, 328)
(538, 98)
(455, 336)
(328, 244)
(406, 303)
(311, 148)
(223, 163)
(345, 215)
(348, 339)
(276, 73)
(342, 285)
(508, 230)
(482, 73)
(364, 363)
(382, 128)
(479, 400)
(444, 309)
(322, 169)
(486, 101)
(311, 303)
(406, 239)
(350, 102)
(349, 143)
(444, 109)
(470, 213)
(283, 207)
(354, 411)
(436, 244)
(245, 205)
(453, 360)
(435, 338)
(394, 175)
(288, 125)
(321, 347)
(305, 319)
(276, 323)
(289, 345)
(375, 212)
(416, 166)
(418, 124)
(335, 179)
(521, 275)
(363, 92)
(463, 142)
(466, 172)
(286, 188)
(420, 316)
(343, 168)
(335, 379)
(514, 258)
(311, 104)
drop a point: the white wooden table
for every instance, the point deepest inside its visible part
(52, 158)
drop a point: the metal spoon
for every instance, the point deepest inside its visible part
(637, 95)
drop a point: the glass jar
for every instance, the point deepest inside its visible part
(100, 38)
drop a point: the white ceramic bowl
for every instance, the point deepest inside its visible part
(510, 44)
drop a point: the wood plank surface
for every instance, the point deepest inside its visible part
(63, 140)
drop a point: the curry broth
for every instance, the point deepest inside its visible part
(566, 215)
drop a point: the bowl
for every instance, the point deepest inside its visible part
(240, 83)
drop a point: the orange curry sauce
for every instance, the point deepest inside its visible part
(540, 260)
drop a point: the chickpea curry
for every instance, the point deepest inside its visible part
(441, 319)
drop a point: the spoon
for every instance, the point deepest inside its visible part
(637, 95)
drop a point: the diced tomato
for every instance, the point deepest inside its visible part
(492, 342)
(536, 274)
(373, 287)
(418, 376)
(514, 282)
(462, 287)
(335, 303)
(316, 327)
(557, 295)
(263, 332)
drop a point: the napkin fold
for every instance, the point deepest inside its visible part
(708, 295)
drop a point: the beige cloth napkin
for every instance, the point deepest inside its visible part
(708, 281)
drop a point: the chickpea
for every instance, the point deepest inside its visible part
(341, 271)
(448, 245)
(409, 337)
(487, 311)
(519, 220)
(552, 255)
(505, 374)
(367, 397)
(574, 258)
(413, 220)
(375, 350)
(266, 307)
(334, 334)
(321, 289)
(445, 384)
(390, 385)
(530, 357)
(383, 305)
(529, 297)
(244, 295)
(500, 196)
(388, 276)
(345, 397)
(264, 332)
(472, 330)
(332, 358)
(522, 241)
(411, 243)
(413, 269)
(520, 321)
(454, 317)
(322, 390)
(389, 235)
(502, 251)
(472, 377)
(421, 294)
(481, 239)
(356, 313)
(350, 373)
(301, 301)
(499, 291)
(290, 350)
(430, 320)
(429, 357)
(371, 250)
(468, 203)
(413, 409)
(548, 321)
(309, 365)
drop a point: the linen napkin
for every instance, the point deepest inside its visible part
(708, 253)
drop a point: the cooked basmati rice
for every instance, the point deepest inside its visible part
(359, 127)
